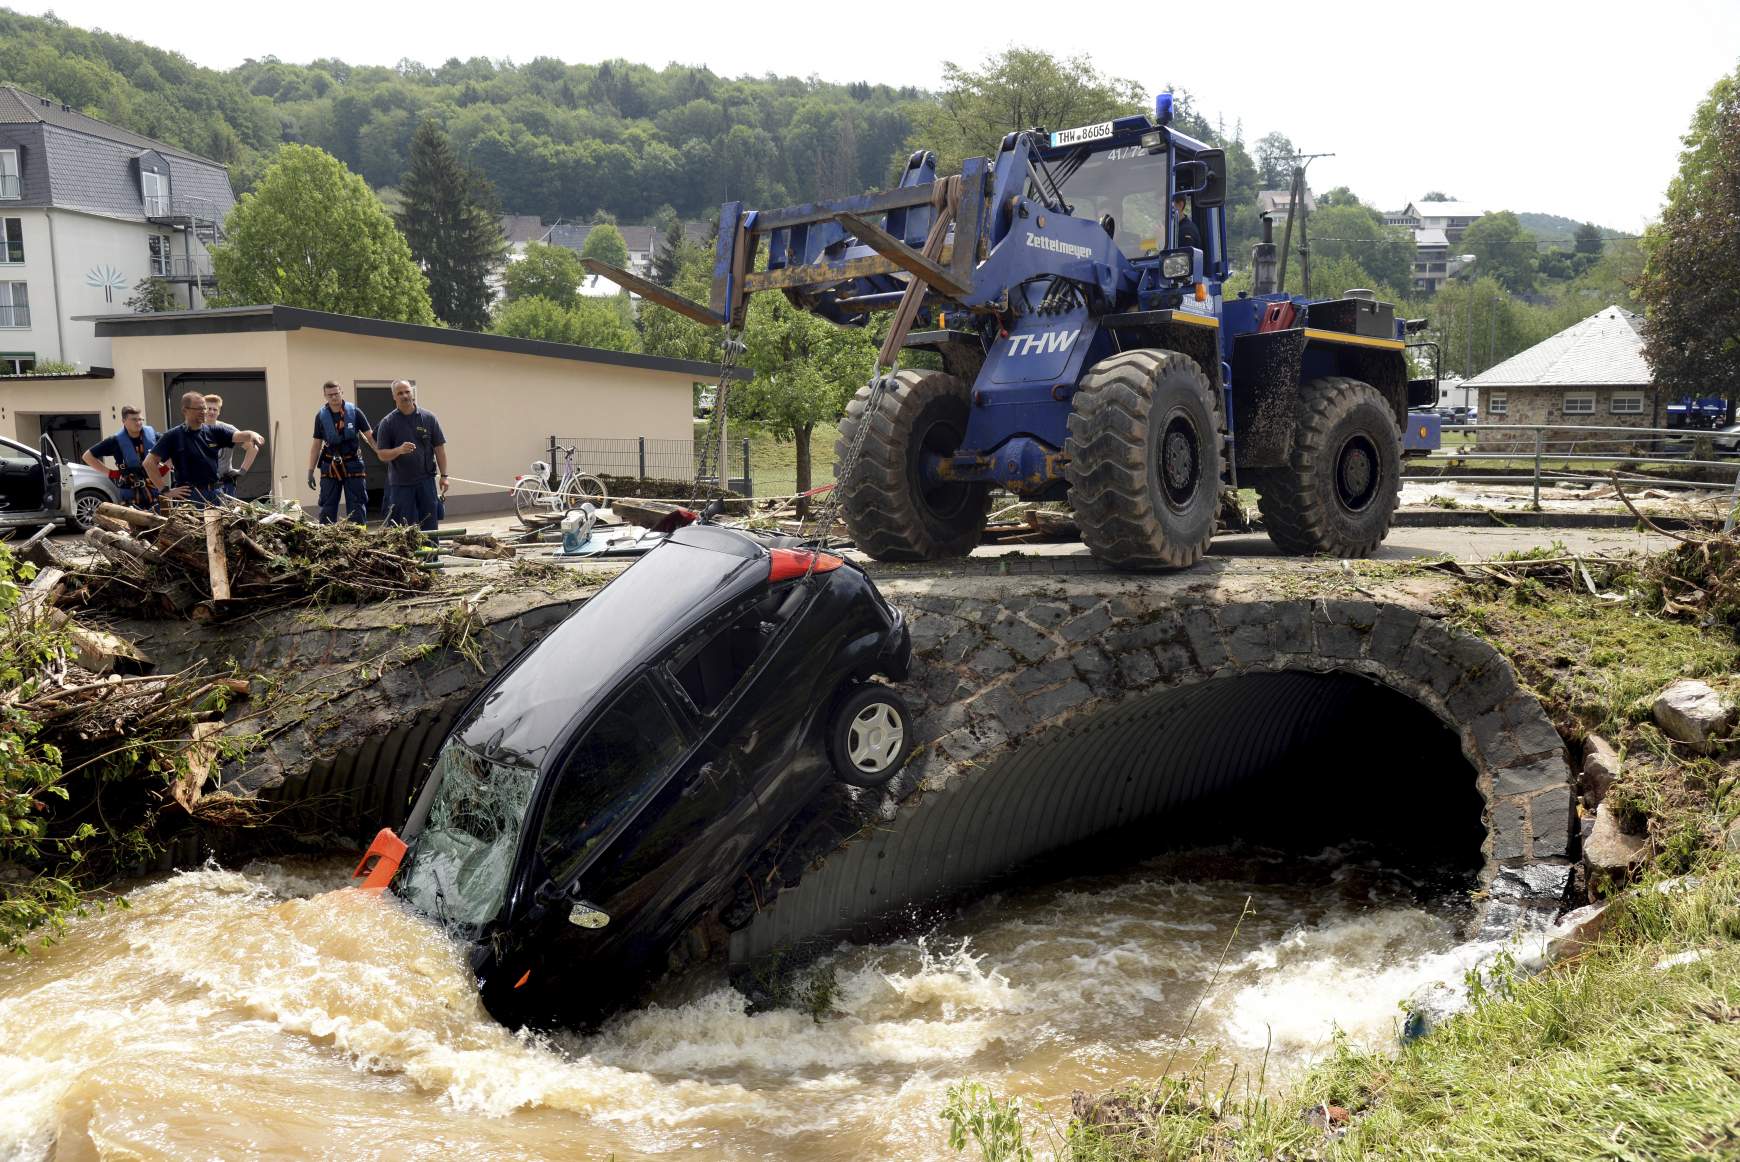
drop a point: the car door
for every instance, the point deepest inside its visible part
(54, 482)
(21, 481)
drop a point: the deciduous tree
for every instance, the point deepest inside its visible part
(312, 235)
(1503, 251)
(589, 322)
(604, 242)
(544, 271)
(1689, 289)
(1018, 88)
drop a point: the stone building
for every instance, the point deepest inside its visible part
(1591, 375)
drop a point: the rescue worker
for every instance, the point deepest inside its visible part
(410, 440)
(193, 449)
(128, 448)
(340, 430)
(1188, 234)
(228, 473)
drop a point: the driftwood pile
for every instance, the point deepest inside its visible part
(92, 697)
(214, 562)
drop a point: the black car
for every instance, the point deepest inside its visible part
(613, 783)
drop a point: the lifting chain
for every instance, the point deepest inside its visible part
(734, 349)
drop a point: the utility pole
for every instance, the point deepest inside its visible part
(1295, 203)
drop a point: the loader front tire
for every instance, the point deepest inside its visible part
(1339, 490)
(1144, 467)
(890, 512)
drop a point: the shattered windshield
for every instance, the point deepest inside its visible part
(460, 863)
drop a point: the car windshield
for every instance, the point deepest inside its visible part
(1129, 184)
(459, 865)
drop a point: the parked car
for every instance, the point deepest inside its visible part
(614, 782)
(1727, 441)
(38, 487)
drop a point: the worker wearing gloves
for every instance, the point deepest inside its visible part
(228, 473)
(410, 440)
(340, 430)
(128, 448)
(193, 449)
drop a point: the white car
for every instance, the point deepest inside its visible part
(38, 487)
(1727, 440)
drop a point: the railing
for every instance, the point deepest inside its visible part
(14, 316)
(10, 188)
(184, 267)
(156, 205)
(195, 210)
(634, 456)
(1571, 453)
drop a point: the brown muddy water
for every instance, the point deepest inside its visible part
(256, 1014)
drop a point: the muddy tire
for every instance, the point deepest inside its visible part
(1338, 493)
(891, 515)
(1144, 465)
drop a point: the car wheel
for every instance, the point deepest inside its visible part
(870, 735)
(85, 504)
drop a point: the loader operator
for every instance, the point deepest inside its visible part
(340, 430)
(1188, 234)
(128, 448)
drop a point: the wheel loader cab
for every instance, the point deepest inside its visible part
(610, 786)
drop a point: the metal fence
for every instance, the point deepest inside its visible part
(642, 457)
(1567, 453)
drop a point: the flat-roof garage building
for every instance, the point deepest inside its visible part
(499, 399)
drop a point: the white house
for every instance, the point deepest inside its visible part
(87, 210)
(1438, 228)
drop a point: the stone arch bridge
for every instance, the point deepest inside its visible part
(1063, 710)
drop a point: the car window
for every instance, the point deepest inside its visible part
(623, 757)
(12, 451)
(714, 663)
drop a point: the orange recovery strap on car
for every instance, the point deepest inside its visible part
(385, 852)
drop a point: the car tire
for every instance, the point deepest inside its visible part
(85, 503)
(870, 735)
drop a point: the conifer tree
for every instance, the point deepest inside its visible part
(448, 219)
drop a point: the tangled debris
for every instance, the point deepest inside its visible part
(93, 760)
(214, 562)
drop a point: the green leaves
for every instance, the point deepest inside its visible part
(312, 235)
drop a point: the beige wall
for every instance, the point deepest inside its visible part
(497, 409)
(1546, 405)
(22, 400)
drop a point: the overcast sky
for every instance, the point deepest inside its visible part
(1565, 108)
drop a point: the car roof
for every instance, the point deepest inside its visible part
(632, 623)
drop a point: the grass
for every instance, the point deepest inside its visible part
(773, 462)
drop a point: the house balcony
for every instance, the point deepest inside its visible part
(185, 268)
(14, 316)
(10, 188)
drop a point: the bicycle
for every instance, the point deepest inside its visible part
(532, 492)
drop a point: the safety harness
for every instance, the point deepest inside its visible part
(135, 486)
(342, 456)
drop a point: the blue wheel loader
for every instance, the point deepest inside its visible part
(1071, 290)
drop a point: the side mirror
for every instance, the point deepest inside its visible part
(585, 914)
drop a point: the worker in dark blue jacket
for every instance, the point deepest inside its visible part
(193, 448)
(410, 440)
(128, 449)
(340, 431)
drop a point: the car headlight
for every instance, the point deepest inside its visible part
(1175, 264)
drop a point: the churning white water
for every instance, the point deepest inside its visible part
(260, 1015)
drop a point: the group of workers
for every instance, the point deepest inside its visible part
(199, 453)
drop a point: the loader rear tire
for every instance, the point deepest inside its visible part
(887, 508)
(1144, 467)
(1339, 490)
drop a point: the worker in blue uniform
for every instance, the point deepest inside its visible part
(335, 457)
(128, 449)
(193, 448)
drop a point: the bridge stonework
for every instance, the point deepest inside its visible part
(1003, 664)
